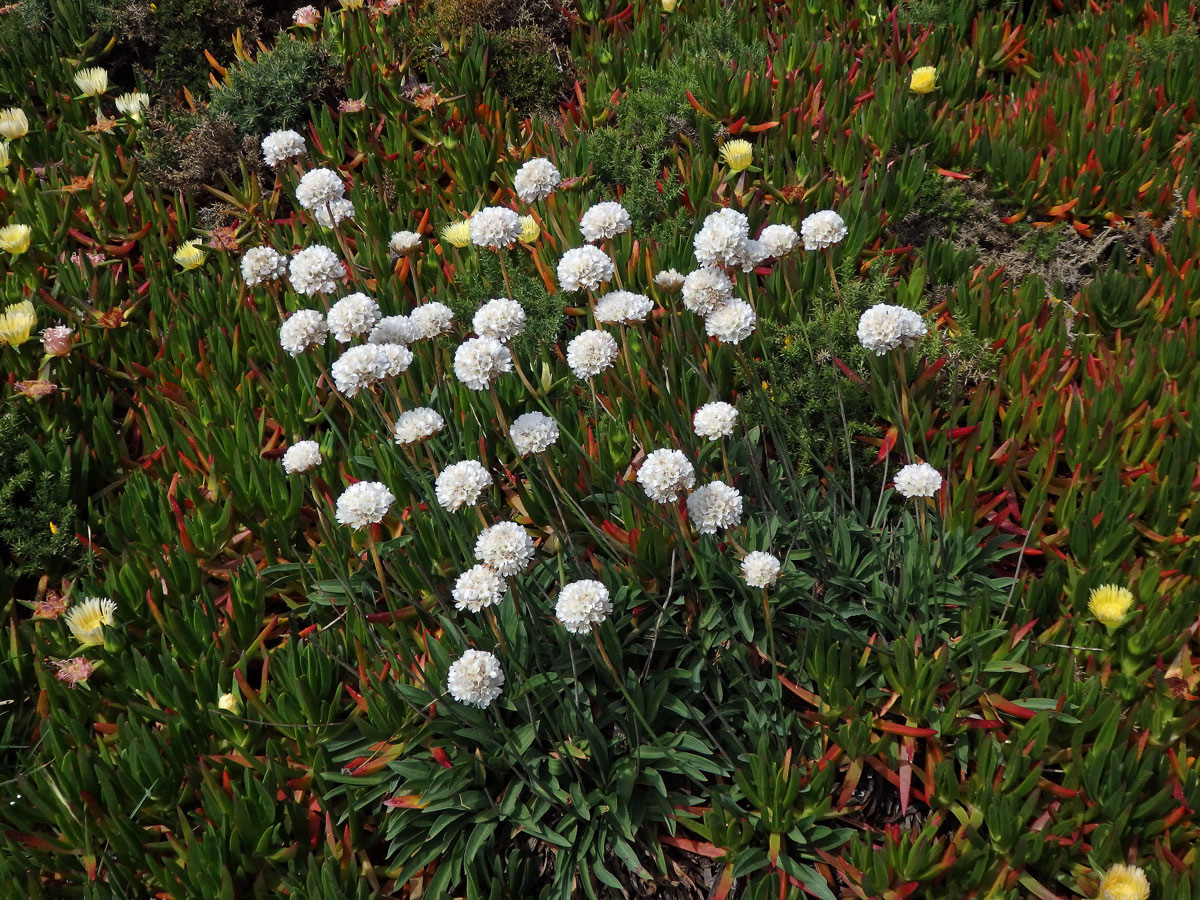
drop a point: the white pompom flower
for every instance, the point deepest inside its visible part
(705, 290)
(359, 368)
(918, 480)
(536, 180)
(584, 268)
(591, 352)
(715, 420)
(722, 239)
(393, 330)
(665, 475)
(334, 213)
(822, 229)
(495, 227)
(461, 484)
(262, 264)
(416, 425)
(604, 221)
(394, 359)
(318, 188)
(404, 243)
(533, 432)
(761, 569)
(280, 145)
(714, 506)
(352, 316)
(303, 329)
(582, 605)
(731, 323)
(669, 280)
(476, 679)
(316, 270)
(478, 588)
(362, 504)
(501, 319)
(506, 547)
(623, 307)
(301, 457)
(480, 361)
(884, 328)
(779, 240)
(431, 319)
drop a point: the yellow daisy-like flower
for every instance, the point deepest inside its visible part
(1109, 603)
(92, 82)
(923, 80)
(132, 105)
(530, 230)
(458, 233)
(15, 238)
(737, 154)
(87, 620)
(190, 256)
(1123, 882)
(16, 323)
(13, 123)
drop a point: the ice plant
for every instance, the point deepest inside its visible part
(761, 569)
(506, 547)
(1122, 882)
(475, 679)
(306, 17)
(737, 154)
(230, 704)
(56, 340)
(280, 145)
(536, 180)
(461, 484)
(15, 238)
(918, 480)
(17, 323)
(301, 457)
(13, 123)
(363, 504)
(4, 157)
(92, 82)
(37, 389)
(582, 605)
(665, 474)
(884, 328)
(530, 230)
(457, 234)
(133, 105)
(87, 620)
(1110, 603)
(922, 80)
(74, 671)
(190, 255)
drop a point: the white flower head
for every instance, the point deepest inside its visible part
(884, 328)
(394, 359)
(476, 679)
(669, 280)
(779, 240)
(731, 323)
(721, 240)
(822, 229)
(495, 227)
(502, 319)
(319, 187)
(393, 330)
(604, 221)
(591, 352)
(280, 145)
(404, 243)
(480, 361)
(478, 588)
(760, 569)
(334, 213)
(431, 319)
(918, 480)
(582, 605)
(359, 368)
(714, 506)
(301, 457)
(352, 316)
(416, 425)
(461, 484)
(536, 180)
(665, 474)
(506, 547)
(132, 104)
(706, 289)
(533, 432)
(715, 420)
(751, 254)
(584, 268)
(363, 504)
(87, 620)
(623, 307)
(260, 264)
(316, 270)
(303, 329)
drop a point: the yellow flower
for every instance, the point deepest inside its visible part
(230, 704)
(53, 528)
(737, 154)
(668, 6)
(1123, 882)
(92, 82)
(458, 234)
(87, 620)
(1109, 603)
(352, 4)
(3, 156)
(15, 238)
(13, 123)
(922, 80)
(190, 256)
(133, 104)
(530, 230)
(16, 324)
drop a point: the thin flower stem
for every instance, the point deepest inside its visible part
(499, 410)
(833, 278)
(378, 565)
(504, 274)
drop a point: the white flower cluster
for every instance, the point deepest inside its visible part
(333, 213)
(260, 264)
(431, 319)
(670, 280)
(714, 506)
(665, 474)
(584, 268)
(582, 605)
(404, 243)
(715, 420)
(303, 329)
(393, 330)
(822, 229)
(461, 484)
(918, 480)
(500, 319)
(480, 361)
(884, 328)
(706, 289)
(779, 240)
(352, 316)
(731, 323)
(319, 188)
(358, 368)
(316, 270)
(724, 240)
(536, 180)
(476, 679)
(624, 307)
(591, 352)
(301, 457)
(416, 425)
(760, 569)
(604, 221)
(280, 145)
(506, 547)
(533, 432)
(495, 227)
(363, 504)
(478, 588)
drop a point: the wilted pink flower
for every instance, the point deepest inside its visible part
(307, 16)
(351, 106)
(56, 341)
(73, 671)
(36, 390)
(51, 606)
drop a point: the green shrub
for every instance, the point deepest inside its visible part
(275, 89)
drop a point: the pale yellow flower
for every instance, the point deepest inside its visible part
(230, 704)
(190, 256)
(922, 80)
(15, 238)
(87, 620)
(1109, 603)
(668, 6)
(1123, 882)
(92, 82)
(133, 104)
(3, 156)
(352, 4)
(13, 123)
(458, 234)
(530, 230)
(16, 323)
(737, 154)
